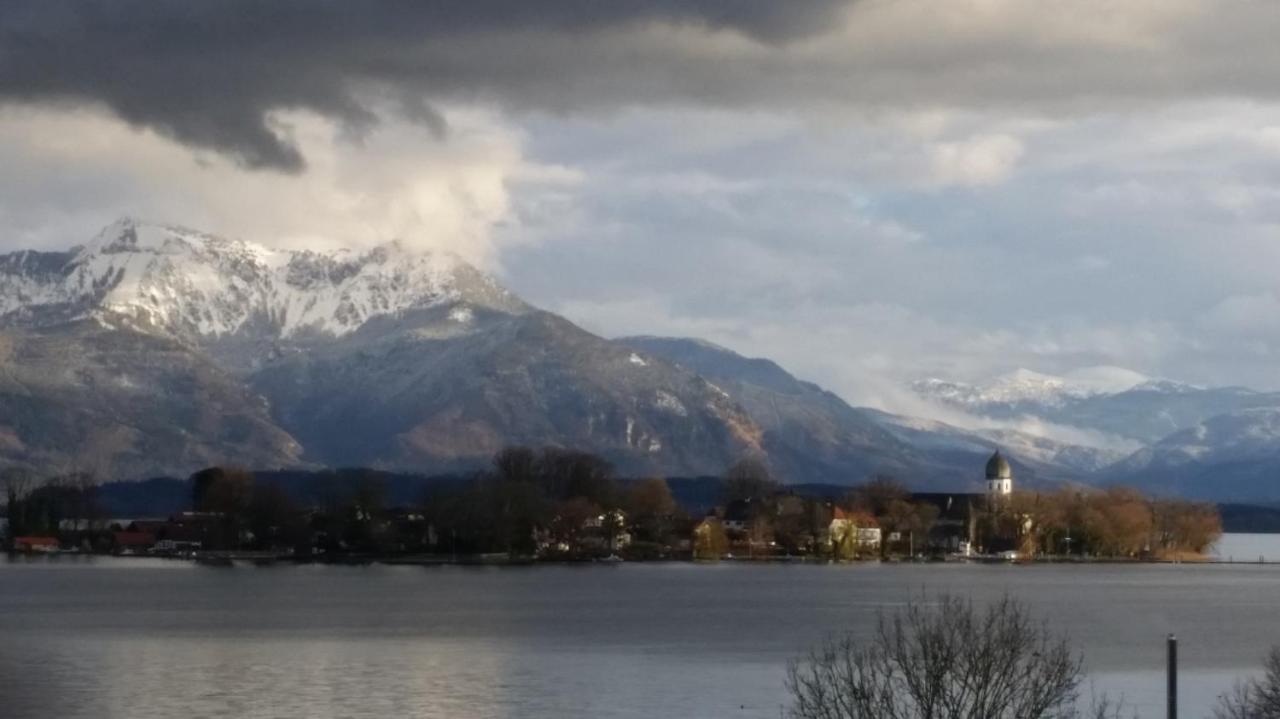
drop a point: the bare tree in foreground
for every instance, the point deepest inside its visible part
(945, 659)
(1256, 698)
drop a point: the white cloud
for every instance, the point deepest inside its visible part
(981, 160)
(1251, 314)
(69, 173)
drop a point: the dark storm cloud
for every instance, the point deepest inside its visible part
(209, 73)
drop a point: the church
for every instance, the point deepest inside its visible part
(956, 529)
(999, 477)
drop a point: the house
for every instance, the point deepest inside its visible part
(852, 534)
(954, 529)
(709, 539)
(738, 515)
(125, 542)
(176, 546)
(42, 545)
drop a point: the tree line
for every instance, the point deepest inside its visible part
(562, 503)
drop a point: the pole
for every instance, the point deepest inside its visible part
(1173, 676)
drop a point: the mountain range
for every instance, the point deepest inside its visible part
(155, 349)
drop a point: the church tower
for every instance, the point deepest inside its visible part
(999, 477)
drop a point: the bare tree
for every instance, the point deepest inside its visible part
(1256, 698)
(748, 480)
(944, 659)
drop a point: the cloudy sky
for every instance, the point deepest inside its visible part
(868, 191)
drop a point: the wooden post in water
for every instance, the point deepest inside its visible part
(1173, 676)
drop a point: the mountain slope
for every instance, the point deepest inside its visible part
(445, 392)
(808, 432)
(155, 349)
(92, 396)
(812, 428)
(1230, 457)
(1145, 412)
(391, 357)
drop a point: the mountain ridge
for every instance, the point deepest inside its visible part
(176, 348)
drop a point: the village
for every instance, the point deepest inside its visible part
(558, 505)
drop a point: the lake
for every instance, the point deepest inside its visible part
(142, 638)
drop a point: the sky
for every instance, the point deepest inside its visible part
(867, 191)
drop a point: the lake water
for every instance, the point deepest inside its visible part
(143, 638)
(1248, 547)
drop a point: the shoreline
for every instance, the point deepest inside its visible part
(231, 559)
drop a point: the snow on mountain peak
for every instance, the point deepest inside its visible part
(1028, 386)
(195, 284)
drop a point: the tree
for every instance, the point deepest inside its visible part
(516, 464)
(748, 480)
(1256, 698)
(651, 498)
(570, 521)
(943, 659)
(877, 495)
(567, 473)
(272, 518)
(226, 492)
(1185, 526)
(709, 539)
(18, 483)
(223, 490)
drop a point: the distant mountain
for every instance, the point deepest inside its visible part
(807, 432)
(1145, 411)
(1029, 389)
(1036, 457)
(1215, 443)
(155, 349)
(807, 426)
(1230, 457)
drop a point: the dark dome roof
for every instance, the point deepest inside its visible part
(998, 467)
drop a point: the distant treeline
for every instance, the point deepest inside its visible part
(163, 496)
(559, 502)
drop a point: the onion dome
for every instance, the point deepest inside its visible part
(998, 467)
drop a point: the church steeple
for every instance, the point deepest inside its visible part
(999, 476)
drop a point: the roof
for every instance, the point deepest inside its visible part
(860, 519)
(998, 467)
(134, 539)
(951, 505)
(739, 510)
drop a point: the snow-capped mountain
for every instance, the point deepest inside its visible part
(1027, 387)
(1232, 456)
(154, 349)
(1115, 404)
(201, 287)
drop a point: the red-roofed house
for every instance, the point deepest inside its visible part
(35, 544)
(852, 534)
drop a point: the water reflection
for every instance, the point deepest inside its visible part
(136, 638)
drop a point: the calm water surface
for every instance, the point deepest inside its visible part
(149, 638)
